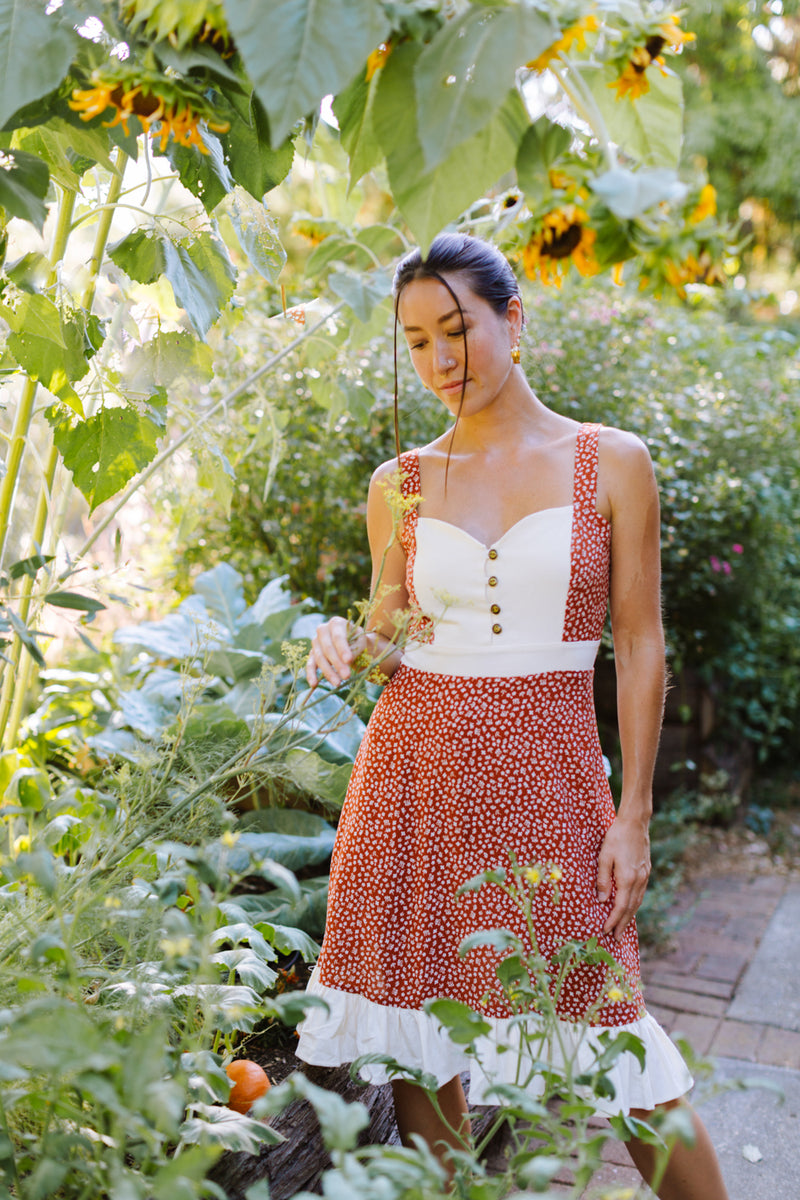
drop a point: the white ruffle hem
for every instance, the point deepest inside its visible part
(355, 1025)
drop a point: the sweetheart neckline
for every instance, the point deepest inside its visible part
(536, 513)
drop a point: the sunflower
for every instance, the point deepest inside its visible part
(174, 115)
(562, 237)
(695, 268)
(574, 35)
(632, 80)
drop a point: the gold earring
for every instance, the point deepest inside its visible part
(515, 354)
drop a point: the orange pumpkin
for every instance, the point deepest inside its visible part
(249, 1082)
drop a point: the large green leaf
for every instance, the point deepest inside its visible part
(464, 74)
(205, 175)
(202, 278)
(36, 50)
(23, 186)
(649, 128)
(256, 233)
(428, 200)
(223, 594)
(218, 1126)
(106, 450)
(297, 51)
(201, 274)
(48, 344)
(165, 359)
(248, 145)
(353, 110)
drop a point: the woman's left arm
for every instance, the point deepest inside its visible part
(628, 488)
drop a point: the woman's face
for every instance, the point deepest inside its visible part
(435, 334)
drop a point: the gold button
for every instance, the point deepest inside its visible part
(492, 554)
(492, 581)
(497, 629)
(495, 609)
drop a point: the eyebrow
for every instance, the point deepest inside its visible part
(453, 313)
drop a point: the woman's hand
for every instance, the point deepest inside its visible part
(334, 648)
(624, 861)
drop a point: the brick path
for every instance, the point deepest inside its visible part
(690, 988)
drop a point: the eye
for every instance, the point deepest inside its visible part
(457, 333)
(415, 345)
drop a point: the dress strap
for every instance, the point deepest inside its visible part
(586, 458)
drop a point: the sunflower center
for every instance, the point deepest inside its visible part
(564, 243)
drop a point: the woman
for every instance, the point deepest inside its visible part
(519, 527)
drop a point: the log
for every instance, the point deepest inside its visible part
(298, 1163)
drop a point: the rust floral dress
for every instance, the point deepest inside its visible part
(484, 741)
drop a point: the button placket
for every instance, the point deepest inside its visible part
(492, 582)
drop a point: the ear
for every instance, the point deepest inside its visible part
(514, 318)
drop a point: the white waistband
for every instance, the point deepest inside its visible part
(503, 661)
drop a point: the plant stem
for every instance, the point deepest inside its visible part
(169, 450)
(574, 87)
(17, 673)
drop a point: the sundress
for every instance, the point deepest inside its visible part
(484, 741)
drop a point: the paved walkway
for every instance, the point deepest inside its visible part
(729, 983)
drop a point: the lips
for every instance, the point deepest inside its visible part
(452, 387)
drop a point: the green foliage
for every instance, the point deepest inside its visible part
(713, 402)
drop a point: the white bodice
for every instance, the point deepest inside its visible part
(497, 610)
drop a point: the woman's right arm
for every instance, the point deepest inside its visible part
(337, 643)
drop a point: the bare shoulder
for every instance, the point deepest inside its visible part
(625, 470)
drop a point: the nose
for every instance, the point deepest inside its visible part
(444, 358)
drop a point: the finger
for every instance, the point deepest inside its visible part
(605, 874)
(311, 671)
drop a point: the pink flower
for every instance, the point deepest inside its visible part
(726, 567)
(737, 548)
(716, 565)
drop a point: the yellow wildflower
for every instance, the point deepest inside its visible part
(229, 838)
(574, 35)
(555, 874)
(21, 843)
(615, 994)
(616, 273)
(706, 205)
(533, 876)
(378, 58)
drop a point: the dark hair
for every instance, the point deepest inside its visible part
(488, 274)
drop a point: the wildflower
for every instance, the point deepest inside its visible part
(706, 205)
(378, 58)
(229, 838)
(737, 548)
(726, 568)
(563, 237)
(615, 994)
(21, 844)
(533, 876)
(574, 35)
(716, 565)
(616, 273)
(555, 874)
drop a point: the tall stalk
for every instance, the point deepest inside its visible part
(16, 673)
